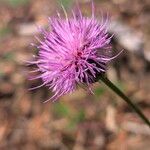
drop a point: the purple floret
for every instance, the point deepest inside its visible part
(73, 51)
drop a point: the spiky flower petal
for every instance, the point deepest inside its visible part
(74, 50)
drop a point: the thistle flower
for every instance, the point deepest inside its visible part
(73, 51)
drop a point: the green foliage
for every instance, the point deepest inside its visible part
(80, 116)
(66, 3)
(99, 91)
(76, 118)
(120, 85)
(10, 56)
(15, 3)
(61, 110)
(4, 31)
(2, 74)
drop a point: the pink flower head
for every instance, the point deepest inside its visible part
(73, 51)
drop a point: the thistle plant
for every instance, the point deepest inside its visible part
(75, 51)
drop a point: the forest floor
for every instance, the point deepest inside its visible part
(79, 121)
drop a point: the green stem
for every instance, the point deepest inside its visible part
(125, 98)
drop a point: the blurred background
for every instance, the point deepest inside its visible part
(78, 121)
